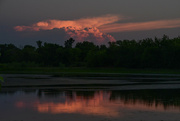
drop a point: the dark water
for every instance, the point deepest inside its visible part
(90, 105)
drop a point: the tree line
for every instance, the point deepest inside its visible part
(146, 53)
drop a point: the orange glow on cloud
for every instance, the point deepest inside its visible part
(96, 28)
(71, 24)
(80, 29)
(161, 24)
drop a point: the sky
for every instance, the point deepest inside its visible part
(100, 21)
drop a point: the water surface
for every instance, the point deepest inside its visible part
(90, 105)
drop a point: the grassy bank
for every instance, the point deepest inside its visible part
(57, 71)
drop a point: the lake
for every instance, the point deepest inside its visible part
(124, 99)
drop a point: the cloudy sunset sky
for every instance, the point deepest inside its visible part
(54, 21)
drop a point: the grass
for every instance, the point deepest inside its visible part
(75, 71)
(1, 80)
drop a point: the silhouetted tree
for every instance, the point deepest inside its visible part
(147, 53)
(39, 43)
(68, 43)
(29, 53)
(85, 47)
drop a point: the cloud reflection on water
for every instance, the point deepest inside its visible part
(99, 103)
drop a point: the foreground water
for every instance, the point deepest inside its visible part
(90, 105)
(132, 98)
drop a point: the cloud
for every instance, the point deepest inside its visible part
(93, 29)
(139, 26)
(89, 34)
(77, 24)
(80, 29)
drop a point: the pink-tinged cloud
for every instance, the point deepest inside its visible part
(139, 26)
(95, 29)
(81, 29)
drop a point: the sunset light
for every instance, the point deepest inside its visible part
(140, 26)
(89, 60)
(98, 27)
(99, 105)
(81, 29)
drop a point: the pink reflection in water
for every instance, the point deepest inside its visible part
(98, 104)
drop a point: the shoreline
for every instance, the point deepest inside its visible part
(123, 82)
(80, 71)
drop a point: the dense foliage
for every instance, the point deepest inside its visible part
(147, 53)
